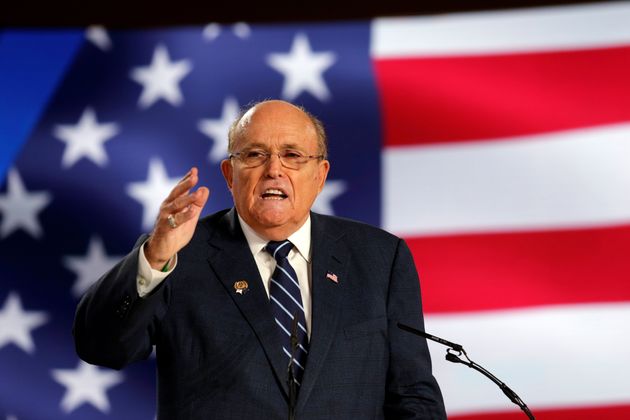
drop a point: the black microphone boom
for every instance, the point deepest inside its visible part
(412, 330)
(456, 351)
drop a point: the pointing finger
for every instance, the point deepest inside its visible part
(184, 185)
(182, 202)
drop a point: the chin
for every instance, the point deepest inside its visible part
(271, 218)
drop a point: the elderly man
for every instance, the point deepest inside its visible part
(266, 301)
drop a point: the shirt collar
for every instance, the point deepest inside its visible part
(301, 238)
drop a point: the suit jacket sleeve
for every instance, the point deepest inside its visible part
(113, 326)
(412, 391)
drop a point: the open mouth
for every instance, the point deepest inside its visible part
(273, 194)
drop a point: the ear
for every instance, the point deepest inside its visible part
(227, 170)
(322, 172)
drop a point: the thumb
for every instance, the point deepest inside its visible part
(201, 197)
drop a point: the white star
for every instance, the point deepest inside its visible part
(87, 268)
(241, 30)
(16, 324)
(85, 139)
(86, 384)
(98, 36)
(152, 192)
(332, 190)
(302, 69)
(160, 80)
(218, 129)
(211, 31)
(19, 207)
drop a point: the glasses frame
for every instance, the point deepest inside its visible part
(307, 158)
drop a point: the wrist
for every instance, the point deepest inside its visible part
(155, 261)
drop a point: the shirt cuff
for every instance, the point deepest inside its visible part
(149, 278)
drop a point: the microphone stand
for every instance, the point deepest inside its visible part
(291, 382)
(456, 352)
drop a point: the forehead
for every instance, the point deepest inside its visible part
(276, 125)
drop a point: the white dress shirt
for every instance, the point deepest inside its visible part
(299, 257)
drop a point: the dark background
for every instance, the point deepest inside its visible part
(130, 13)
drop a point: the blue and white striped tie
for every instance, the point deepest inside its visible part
(286, 303)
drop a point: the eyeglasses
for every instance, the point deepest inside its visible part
(291, 159)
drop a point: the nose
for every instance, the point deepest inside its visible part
(274, 166)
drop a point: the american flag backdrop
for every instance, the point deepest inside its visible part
(496, 143)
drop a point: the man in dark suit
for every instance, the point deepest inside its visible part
(247, 301)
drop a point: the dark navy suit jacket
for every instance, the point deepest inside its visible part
(218, 351)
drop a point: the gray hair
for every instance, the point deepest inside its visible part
(322, 139)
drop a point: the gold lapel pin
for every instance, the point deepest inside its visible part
(241, 287)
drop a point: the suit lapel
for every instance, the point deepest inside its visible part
(329, 255)
(232, 261)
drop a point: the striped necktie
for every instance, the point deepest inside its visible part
(286, 303)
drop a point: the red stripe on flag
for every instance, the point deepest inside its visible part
(445, 99)
(586, 413)
(511, 270)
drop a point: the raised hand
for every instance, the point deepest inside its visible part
(176, 221)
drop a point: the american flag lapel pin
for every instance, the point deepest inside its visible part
(332, 277)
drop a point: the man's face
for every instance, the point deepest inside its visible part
(274, 200)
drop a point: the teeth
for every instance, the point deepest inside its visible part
(273, 194)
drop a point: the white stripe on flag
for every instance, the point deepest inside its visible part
(570, 179)
(540, 29)
(560, 356)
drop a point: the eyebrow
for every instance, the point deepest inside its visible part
(284, 146)
(255, 145)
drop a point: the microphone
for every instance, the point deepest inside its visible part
(453, 355)
(291, 382)
(412, 330)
